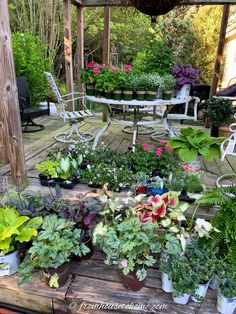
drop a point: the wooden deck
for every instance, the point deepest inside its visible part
(95, 288)
(92, 282)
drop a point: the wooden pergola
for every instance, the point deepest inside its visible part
(11, 143)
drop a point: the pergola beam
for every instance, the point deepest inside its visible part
(77, 2)
(97, 3)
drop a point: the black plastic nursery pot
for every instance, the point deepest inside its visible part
(66, 184)
(151, 94)
(117, 94)
(127, 94)
(108, 95)
(131, 282)
(63, 272)
(46, 180)
(99, 93)
(89, 90)
(185, 198)
(214, 131)
(140, 93)
(167, 95)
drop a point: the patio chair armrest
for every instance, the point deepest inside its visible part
(22, 102)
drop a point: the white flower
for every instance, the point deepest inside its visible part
(203, 227)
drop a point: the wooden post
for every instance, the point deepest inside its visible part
(220, 49)
(80, 47)
(106, 45)
(10, 123)
(68, 49)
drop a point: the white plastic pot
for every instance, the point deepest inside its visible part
(181, 300)
(201, 291)
(225, 305)
(9, 263)
(183, 92)
(52, 107)
(214, 284)
(166, 283)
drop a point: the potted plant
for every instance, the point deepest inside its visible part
(60, 169)
(88, 76)
(156, 186)
(226, 295)
(152, 83)
(203, 260)
(193, 143)
(139, 86)
(186, 77)
(166, 85)
(51, 251)
(165, 268)
(218, 110)
(140, 182)
(135, 244)
(14, 229)
(183, 278)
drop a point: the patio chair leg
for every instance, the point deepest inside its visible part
(99, 134)
(65, 137)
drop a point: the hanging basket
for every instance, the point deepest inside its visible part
(155, 7)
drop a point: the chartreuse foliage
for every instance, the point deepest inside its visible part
(53, 246)
(15, 228)
(194, 142)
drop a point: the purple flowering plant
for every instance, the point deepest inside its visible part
(185, 74)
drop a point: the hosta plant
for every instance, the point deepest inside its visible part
(15, 228)
(194, 142)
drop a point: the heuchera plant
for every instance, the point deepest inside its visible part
(185, 74)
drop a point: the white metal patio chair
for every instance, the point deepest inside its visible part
(228, 147)
(73, 117)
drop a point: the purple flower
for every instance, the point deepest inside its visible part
(124, 263)
(185, 74)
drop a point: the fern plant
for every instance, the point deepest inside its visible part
(224, 219)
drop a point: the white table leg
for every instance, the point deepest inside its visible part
(99, 134)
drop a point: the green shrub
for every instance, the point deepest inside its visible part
(30, 61)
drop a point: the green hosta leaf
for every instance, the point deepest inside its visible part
(172, 245)
(26, 233)
(65, 164)
(79, 160)
(210, 152)
(53, 282)
(188, 154)
(74, 164)
(141, 274)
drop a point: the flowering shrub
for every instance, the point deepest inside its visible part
(185, 74)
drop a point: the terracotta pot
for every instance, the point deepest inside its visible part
(131, 282)
(62, 271)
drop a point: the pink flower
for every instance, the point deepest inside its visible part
(91, 64)
(124, 263)
(113, 69)
(169, 148)
(96, 70)
(127, 67)
(159, 152)
(162, 142)
(155, 199)
(185, 167)
(145, 145)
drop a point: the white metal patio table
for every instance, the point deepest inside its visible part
(137, 105)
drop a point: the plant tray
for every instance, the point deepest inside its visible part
(46, 181)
